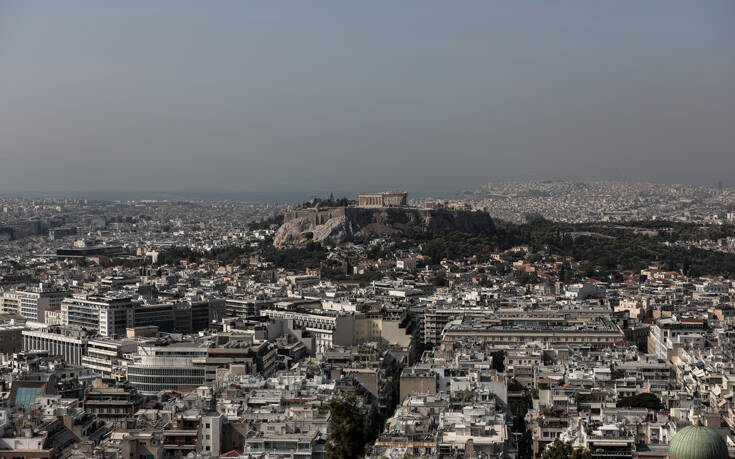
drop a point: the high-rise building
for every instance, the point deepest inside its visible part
(184, 317)
(108, 316)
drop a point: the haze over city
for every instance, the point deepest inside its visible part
(334, 95)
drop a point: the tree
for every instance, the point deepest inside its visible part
(565, 450)
(644, 400)
(346, 440)
(528, 278)
(498, 361)
(518, 407)
(581, 453)
(440, 280)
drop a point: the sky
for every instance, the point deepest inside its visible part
(373, 95)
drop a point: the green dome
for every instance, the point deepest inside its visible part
(697, 442)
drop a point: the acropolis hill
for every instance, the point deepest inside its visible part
(334, 225)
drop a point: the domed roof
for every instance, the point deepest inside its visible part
(697, 442)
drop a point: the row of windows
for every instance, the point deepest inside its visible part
(142, 371)
(168, 381)
(98, 410)
(554, 338)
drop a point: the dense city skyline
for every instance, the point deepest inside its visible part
(367, 230)
(528, 320)
(252, 96)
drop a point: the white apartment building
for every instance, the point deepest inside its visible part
(109, 316)
(327, 329)
(33, 303)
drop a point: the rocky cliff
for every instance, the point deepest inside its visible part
(337, 225)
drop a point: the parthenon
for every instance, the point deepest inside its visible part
(384, 199)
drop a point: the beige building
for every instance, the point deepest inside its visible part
(10, 302)
(417, 381)
(595, 333)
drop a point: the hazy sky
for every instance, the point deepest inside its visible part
(363, 95)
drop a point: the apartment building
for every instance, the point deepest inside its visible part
(106, 357)
(328, 329)
(108, 316)
(34, 302)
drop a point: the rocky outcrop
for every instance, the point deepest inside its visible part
(293, 232)
(334, 226)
